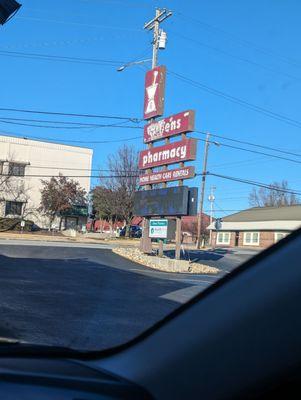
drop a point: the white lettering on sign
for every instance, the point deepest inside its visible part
(167, 175)
(165, 155)
(170, 126)
(157, 130)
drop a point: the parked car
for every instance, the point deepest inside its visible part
(135, 231)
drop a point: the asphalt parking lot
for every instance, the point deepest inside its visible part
(87, 297)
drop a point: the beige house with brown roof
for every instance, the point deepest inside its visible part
(258, 226)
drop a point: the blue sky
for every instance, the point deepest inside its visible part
(246, 49)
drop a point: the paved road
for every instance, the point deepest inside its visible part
(85, 296)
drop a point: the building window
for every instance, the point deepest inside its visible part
(279, 235)
(223, 238)
(16, 169)
(1, 167)
(13, 207)
(251, 238)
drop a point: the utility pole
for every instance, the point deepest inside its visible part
(204, 172)
(154, 25)
(211, 198)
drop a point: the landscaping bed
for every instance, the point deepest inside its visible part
(164, 264)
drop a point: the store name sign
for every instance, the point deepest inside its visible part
(171, 126)
(184, 150)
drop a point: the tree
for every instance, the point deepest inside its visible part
(60, 194)
(278, 194)
(122, 184)
(104, 203)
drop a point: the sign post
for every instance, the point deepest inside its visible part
(158, 229)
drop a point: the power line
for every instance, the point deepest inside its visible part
(49, 57)
(73, 141)
(81, 24)
(73, 176)
(254, 183)
(251, 144)
(246, 60)
(240, 180)
(222, 210)
(71, 114)
(251, 151)
(71, 168)
(81, 126)
(241, 41)
(237, 100)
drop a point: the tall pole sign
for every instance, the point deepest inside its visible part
(155, 160)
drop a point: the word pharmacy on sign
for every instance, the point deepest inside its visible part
(168, 154)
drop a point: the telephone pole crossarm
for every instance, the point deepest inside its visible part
(161, 15)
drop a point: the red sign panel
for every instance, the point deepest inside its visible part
(171, 126)
(154, 92)
(172, 153)
(167, 176)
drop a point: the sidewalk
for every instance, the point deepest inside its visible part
(61, 238)
(92, 238)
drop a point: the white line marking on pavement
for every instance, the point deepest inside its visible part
(183, 295)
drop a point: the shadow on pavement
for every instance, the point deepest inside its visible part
(79, 303)
(198, 255)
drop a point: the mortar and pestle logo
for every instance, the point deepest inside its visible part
(151, 92)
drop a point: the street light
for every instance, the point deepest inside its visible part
(7, 10)
(120, 69)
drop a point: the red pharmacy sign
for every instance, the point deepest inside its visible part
(154, 92)
(172, 153)
(171, 126)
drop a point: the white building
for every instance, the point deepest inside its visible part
(29, 161)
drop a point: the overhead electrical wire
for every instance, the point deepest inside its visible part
(128, 119)
(239, 58)
(69, 114)
(240, 40)
(250, 143)
(250, 151)
(236, 100)
(81, 24)
(94, 126)
(49, 57)
(254, 183)
(67, 141)
(240, 180)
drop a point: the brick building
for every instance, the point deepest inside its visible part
(258, 226)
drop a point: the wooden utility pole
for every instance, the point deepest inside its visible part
(203, 182)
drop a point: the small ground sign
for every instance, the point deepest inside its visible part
(158, 228)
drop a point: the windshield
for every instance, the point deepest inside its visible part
(145, 153)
